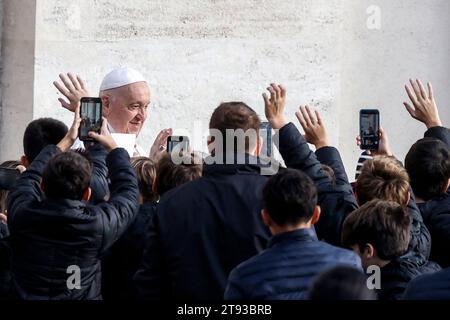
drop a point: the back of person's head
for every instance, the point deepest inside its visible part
(329, 172)
(341, 283)
(40, 133)
(170, 175)
(428, 166)
(289, 197)
(384, 178)
(146, 174)
(238, 119)
(67, 176)
(386, 225)
(10, 164)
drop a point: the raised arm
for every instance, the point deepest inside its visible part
(73, 88)
(316, 134)
(291, 144)
(425, 110)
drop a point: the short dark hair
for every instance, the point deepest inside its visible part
(384, 178)
(341, 283)
(40, 133)
(428, 166)
(386, 225)
(235, 115)
(67, 176)
(146, 174)
(170, 175)
(289, 197)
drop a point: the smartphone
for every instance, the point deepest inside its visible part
(369, 126)
(91, 117)
(265, 131)
(177, 144)
(8, 178)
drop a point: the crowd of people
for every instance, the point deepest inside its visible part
(86, 221)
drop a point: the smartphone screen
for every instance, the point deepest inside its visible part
(8, 177)
(265, 132)
(177, 144)
(91, 117)
(369, 120)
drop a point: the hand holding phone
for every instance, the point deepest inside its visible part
(369, 128)
(91, 117)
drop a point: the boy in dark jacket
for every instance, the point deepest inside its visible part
(206, 227)
(294, 255)
(57, 242)
(379, 232)
(428, 165)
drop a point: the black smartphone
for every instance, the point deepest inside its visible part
(91, 117)
(369, 126)
(265, 131)
(8, 178)
(177, 144)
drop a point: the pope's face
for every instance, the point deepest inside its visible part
(126, 107)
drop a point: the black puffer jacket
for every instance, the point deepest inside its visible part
(50, 236)
(396, 275)
(336, 204)
(436, 215)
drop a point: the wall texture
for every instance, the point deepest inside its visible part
(197, 54)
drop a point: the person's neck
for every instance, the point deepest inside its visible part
(276, 229)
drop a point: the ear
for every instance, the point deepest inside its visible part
(105, 105)
(87, 194)
(24, 161)
(266, 218)
(259, 144)
(316, 215)
(408, 198)
(369, 251)
(446, 186)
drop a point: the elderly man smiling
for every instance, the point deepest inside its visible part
(125, 98)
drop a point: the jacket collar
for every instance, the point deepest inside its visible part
(305, 234)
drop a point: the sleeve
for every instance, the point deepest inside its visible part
(234, 291)
(99, 179)
(420, 242)
(440, 133)
(27, 188)
(330, 156)
(123, 204)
